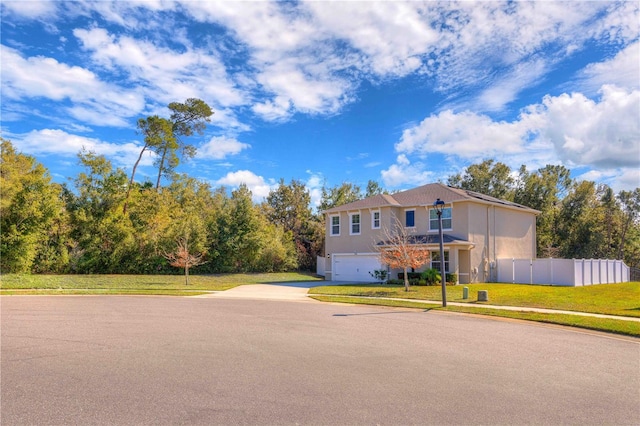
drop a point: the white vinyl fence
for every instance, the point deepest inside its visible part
(562, 272)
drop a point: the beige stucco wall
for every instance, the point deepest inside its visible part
(347, 243)
(498, 232)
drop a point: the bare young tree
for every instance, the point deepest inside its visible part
(182, 258)
(400, 251)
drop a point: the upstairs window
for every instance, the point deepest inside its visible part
(335, 225)
(355, 223)
(446, 219)
(410, 218)
(375, 220)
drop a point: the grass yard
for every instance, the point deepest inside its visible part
(629, 328)
(611, 299)
(138, 284)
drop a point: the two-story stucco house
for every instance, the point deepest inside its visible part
(478, 230)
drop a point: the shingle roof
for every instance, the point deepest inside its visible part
(424, 195)
(432, 239)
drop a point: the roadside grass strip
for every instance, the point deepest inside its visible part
(174, 285)
(628, 327)
(608, 299)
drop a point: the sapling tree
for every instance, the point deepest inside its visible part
(182, 258)
(400, 251)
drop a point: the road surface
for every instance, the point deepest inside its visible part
(176, 360)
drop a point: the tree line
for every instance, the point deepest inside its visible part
(104, 222)
(578, 218)
(84, 227)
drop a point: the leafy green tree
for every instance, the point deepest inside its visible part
(339, 195)
(157, 131)
(288, 206)
(608, 207)
(186, 119)
(577, 228)
(150, 215)
(29, 206)
(374, 188)
(278, 252)
(489, 178)
(52, 256)
(630, 203)
(543, 190)
(103, 233)
(236, 245)
(190, 212)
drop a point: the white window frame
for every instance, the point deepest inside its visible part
(331, 225)
(351, 223)
(373, 219)
(444, 226)
(414, 218)
(447, 260)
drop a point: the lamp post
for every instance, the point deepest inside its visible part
(439, 206)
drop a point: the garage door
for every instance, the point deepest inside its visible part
(355, 267)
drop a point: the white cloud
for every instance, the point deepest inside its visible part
(219, 147)
(617, 179)
(31, 9)
(569, 128)
(604, 133)
(165, 74)
(620, 23)
(314, 184)
(465, 134)
(405, 173)
(58, 142)
(623, 70)
(96, 102)
(259, 187)
(507, 88)
(391, 36)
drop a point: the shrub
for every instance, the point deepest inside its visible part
(395, 282)
(410, 275)
(431, 276)
(380, 275)
(452, 278)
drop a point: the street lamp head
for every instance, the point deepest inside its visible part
(439, 205)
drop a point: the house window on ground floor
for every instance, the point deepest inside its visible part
(435, 260)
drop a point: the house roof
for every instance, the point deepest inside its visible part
(425, 195)
(432, 239)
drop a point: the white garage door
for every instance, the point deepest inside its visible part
(355, 267)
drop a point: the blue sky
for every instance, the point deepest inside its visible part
(404, 93)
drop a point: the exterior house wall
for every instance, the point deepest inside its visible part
(482, 230)
(495, 231)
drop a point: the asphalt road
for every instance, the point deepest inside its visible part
(170, 360)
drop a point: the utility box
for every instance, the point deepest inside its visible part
(483, 295)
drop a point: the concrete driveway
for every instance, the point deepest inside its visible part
(290, 291)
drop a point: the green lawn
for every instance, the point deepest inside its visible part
(137, 284)
(611, 299)
(629, 328)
